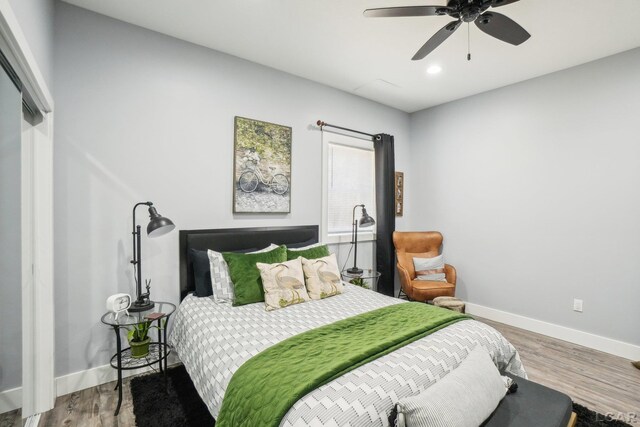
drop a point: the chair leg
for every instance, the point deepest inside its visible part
(402, 294)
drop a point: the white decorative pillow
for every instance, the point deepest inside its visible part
(322, 277)
(283, 284)
(430, 268)
(466, 397)
(304, 248)
(271, 247)
(220, 279)
(221, 283)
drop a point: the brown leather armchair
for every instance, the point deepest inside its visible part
(421, 244)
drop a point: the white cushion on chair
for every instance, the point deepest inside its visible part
(430, 268)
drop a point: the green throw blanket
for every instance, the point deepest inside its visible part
(266, 386)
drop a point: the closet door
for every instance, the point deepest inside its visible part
(10, 235)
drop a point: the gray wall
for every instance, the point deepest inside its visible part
(142, 116)
(36, 20)
(10, 236)
(534, 187)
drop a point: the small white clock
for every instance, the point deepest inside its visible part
(118, 303)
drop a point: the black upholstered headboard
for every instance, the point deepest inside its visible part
(237, 239)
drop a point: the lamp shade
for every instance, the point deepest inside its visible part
(158, 225)
(366, 220)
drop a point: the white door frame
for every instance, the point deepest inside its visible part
(38, 385)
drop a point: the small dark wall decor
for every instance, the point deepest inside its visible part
(262, 167)
(399, 194)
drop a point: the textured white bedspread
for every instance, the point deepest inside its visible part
(213, 340)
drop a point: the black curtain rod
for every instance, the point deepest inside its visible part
(323, 124)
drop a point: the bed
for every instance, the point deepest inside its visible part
(214, 339)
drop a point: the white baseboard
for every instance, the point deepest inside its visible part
(10, 400)
(95, 376)
(586, 339)
(91, 377)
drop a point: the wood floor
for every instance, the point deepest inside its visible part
(86, 408)
(600, 381)
(597, 380)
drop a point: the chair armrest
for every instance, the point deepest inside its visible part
(405, 279)
(450, 273)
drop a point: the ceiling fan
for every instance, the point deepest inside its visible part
(493, 23)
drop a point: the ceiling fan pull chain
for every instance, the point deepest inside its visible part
(468, 42)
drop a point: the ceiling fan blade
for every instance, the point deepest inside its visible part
(502, 28)
(498, 3)
(390, 12)
(436, 40)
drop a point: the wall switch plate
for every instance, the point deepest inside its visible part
(577, 305)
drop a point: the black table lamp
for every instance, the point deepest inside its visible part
(364, 221)
(158, 226)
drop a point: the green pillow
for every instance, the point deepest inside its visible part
(311, 253)
(247, 284)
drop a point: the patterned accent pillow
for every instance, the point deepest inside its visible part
(283, 284)
(220, 279)
(322, 276)
(430, 268)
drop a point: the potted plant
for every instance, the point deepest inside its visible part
(139, 339)
(359, 281)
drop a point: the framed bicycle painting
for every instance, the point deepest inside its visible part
(261, 167)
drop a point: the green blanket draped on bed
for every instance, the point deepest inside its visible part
(266, 386)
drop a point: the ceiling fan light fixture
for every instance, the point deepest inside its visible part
(434, 69)
(494, 24)
(485, 19)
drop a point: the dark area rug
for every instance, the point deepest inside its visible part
(589, 418)
(170, 401)
(173, 401)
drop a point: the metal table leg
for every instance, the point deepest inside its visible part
(159, 324)
(164, 341)
(119, 358)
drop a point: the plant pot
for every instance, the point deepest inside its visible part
(140, 349)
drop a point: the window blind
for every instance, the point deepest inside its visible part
(351, 176)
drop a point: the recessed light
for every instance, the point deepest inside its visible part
(434, 69)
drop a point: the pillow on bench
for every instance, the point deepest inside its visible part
(464, 398)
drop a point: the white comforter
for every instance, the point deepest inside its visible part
(214, 339)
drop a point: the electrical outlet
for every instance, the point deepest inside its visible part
(577, 305)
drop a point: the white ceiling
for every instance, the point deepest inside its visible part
(329, 41)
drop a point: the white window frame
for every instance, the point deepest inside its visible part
(349, 141)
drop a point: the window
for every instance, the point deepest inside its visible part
(348, 180)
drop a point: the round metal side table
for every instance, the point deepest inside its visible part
(369, 276)
(158, 350)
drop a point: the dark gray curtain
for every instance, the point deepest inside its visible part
(385, 212)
